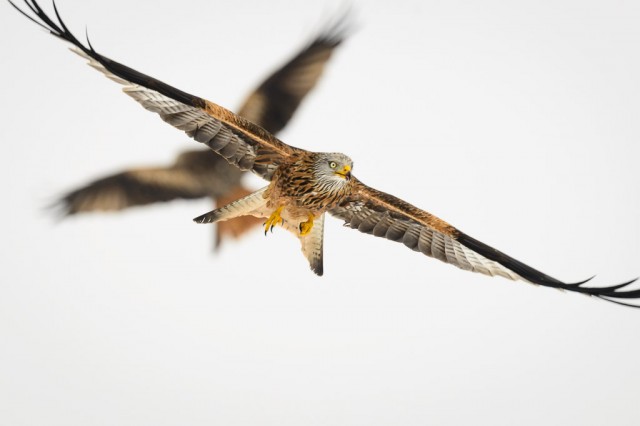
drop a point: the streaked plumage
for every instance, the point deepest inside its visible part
(203, 173)
(305, 185)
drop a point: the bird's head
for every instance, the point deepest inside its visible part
(333, 167)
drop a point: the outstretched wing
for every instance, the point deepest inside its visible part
(203, 173)
(374, 212)
(274, 102)
(131, 188)
(241, 142)
(195, 174)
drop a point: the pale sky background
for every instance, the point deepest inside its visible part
(518, 122)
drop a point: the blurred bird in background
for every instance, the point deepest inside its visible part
(203, 173)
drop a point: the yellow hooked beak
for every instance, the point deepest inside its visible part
(345, 173)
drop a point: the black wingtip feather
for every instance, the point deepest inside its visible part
(86, 36)
(55, 10)
(337, 28)
(617, 302)
(615, 287)
(579, 283)
(534, 276)
(60, 30)
(27, 16)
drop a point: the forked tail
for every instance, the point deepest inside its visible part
(251, 205)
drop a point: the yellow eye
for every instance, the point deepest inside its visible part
(333, 165)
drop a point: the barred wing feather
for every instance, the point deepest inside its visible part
(374, 212)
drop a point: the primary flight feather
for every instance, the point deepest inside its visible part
(305, 185)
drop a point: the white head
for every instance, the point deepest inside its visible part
(333, 168)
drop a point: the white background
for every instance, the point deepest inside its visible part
(518, 122)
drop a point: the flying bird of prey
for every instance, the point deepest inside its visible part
(305, 185)
(203, 173)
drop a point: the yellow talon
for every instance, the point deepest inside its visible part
(273, 220)
(305, 227)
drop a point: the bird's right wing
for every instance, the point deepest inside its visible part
(277, 98)
(374, 212)
(238, 140)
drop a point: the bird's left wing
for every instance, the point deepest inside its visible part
(241, 142)
(382, 215)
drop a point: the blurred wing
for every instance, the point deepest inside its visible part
(212, 172)
(274, 102)
(241, 142)
(132, 188)
(196, 174)
(383, 215)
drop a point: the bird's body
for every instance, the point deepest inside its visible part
(305, 185)
(308, 185)
(301, 191)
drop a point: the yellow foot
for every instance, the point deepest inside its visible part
(273, 220)
(305, 227)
